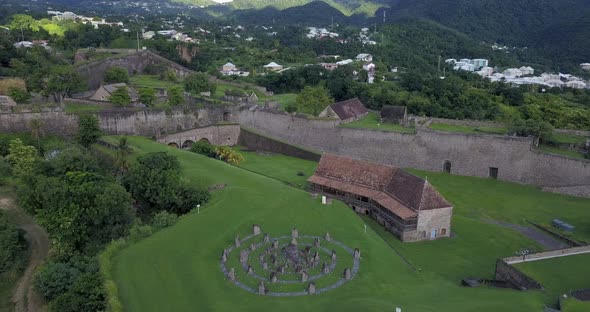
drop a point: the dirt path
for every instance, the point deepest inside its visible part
(545, 240)
(24, 297)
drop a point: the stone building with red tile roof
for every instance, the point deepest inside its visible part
(406, 205)
(346, 111)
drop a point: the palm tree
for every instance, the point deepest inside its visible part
(123, 150)
(37, 131)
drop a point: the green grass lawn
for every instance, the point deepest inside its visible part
(573, 305)
(283, 168)
(152, 81)
(177, 269)
(467, 129)
(372, 121)
(568, 138)
(559, 151)
(560, 275)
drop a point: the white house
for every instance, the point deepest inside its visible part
(464, 66)
(148, 35)
(369, 67)
(585, 66)
(485, 71)
(344, 62)
(273, 66)
(167, 32)
(512, 72)
(527, 70)
(576, 84)
(480, 63)
(451, 61)
(364, 57)
(23, 44)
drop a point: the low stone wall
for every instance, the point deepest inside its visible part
(573, 132)
(257, 142)
(579, 191)
(548, 255)
(508, 273)
(89, 102)
(217, 135)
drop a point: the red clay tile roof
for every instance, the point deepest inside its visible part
(352, 108)
(395, 189)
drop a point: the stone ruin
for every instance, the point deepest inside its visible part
(311, 288)
(316, 243)
(224, 256)
(252, 246)
(232, 274)
(325, 268)
(265, 265)
(294, 241)
(357, 253)
(273, 277)
(333, 255)
(304, 276)
(256, 229)
(262, 289)
(250, 271)
(275, 244)
(347, 274)
(243, 256)
(266, 238)
(237, 241)
(327, 237)
(294, 233)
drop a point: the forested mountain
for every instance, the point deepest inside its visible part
(556, 30)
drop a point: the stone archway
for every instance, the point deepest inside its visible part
(226, 116)
(187, 144)
(447, 166)
(205, 140)
(173, 144)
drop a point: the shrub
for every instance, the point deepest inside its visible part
(139, 231)
(169, 75)
(55, 278)
(235, 92)
(86, 294)
(7, 84)
(164, 219)
(203, 148)
(19, 95)
(121, 97)
(116, 74)
(229, 155)
(13, 245)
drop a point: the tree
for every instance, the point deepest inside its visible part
(229, 155)
(198, 82)
(120, 96)
(88, 130)
(123, 151)
(175, 96)
(63, 81)
(21, 157)
(37, 131)
(147, 96)
(69, 159)
(116, 74)
(23, 21)
(313, 100)
(154, 180)
(13, 244)
(55, 278)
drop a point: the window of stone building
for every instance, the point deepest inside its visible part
(493, 172)
(443, 232)
(422, 234)
(447, 166)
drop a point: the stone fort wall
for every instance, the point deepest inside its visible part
(150, 123)
(471, 155)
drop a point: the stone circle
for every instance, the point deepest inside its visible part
(260, 263)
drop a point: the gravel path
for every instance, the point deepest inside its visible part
(24, 297)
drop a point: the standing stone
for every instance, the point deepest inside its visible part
(232, 274)
(237, 241)
(250, 271)
(294, 233)
(333, 255)
(347, 274)
(261, 258)
(294, 241)
(326, 268)
(311, 288)
(224, 256)
(304, 276)
(327, 237)
(252, 246)
(266, 238)
(265, 265)
(275, 244)
(316, 256)
(357, 253)
(243, 255)
(261, 288)
(282, 269)
(273, 277)
(256, 229)
(316, 243)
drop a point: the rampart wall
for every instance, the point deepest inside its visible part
(471, 155)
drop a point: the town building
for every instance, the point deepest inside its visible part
(364, 57)
(329, 66)
(394, 114)
(105, 91)
(346, 111)
(585, 66)
(272, 66)
(512, 72)
(344, 62)
(406, 205)
(479, 63)
(527, 70)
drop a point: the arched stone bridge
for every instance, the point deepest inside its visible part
(216, 135)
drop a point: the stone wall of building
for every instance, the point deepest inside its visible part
(430, 220)
(471, 155)
(257, 142)
(508, 273)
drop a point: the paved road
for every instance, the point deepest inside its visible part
(25, 298)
